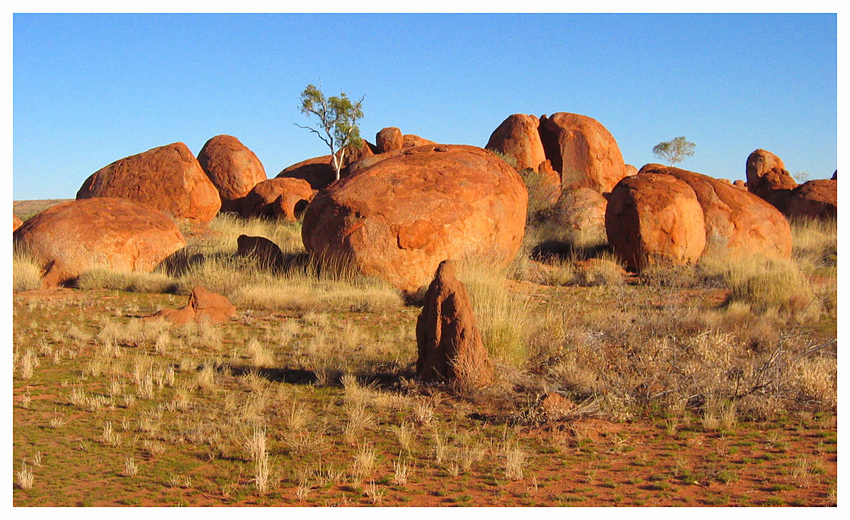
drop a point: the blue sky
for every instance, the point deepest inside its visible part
(89, 89)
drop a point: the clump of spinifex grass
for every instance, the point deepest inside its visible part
(26, 272)
(503, 316)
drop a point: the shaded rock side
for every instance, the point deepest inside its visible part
(583, 151)
(118, 234)
(817, 199)
(654, 218)
(737, 222)
(169, 178)
(447, 336)
(399, 218)
(203, 307)
(518, 136)
(233, 169)
(261, 249)
(285, 198)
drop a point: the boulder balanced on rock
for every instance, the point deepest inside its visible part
(447, 336)
(232, 168)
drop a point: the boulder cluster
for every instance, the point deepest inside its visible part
(405, 209)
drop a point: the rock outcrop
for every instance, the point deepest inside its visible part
(285, 198)
(389, 139)
(768, 178)
(583, 151)
(654, 218)
(118, 234)
(737, 222)
(203, 307)
(447, 336)
(519, 137)
(817, 199)
(16, 222)
(580, 213)
(169, 178)
(232, 168)
(399, 218)
(262, 250)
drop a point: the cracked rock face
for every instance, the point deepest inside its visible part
(399, 218)
(169, 178)
(71, 238)
(737, 222)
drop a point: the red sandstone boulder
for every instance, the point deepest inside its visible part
(118, 234)
(518, 136)
(654, 218)
(284, 197)
(168, 178)
(768, 178)
(631, 170)
(389, 139)
(232, 168)
(740, 184)
(261, 249)
(736, 221)
(816, 199)
(583, 151)
(398, 219)
(447, 336)
(16, 222)
(203, 307)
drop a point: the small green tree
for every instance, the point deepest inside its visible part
(337, 126)
(674, 151)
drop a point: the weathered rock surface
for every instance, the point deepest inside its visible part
(519, 137)
(118, 234)
(768, 178)
(203, 307)
(169, 178)
(583, 151)
(16, 222)
(740, 184)
(414, 141)
(318, 171)
(817, 199)
(232, 168)
(654, 218)
(737, 222)
(261, 249)
(285, 198)
(399, 218)
(581, 212)
(389, 139)
(447, 336)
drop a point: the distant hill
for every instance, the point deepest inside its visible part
(25, 209)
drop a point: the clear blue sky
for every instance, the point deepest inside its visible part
(91, 89)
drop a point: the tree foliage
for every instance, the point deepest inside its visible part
(676, 150)
(337, 125)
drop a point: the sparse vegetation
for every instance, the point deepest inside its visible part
(704, 357)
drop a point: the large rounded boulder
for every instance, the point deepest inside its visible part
(168, 178)
(398, 219)
(389, 139)
(817, 199)
(580, 214)
(736, 221)
(519, 137)
(654, 218)
(583, 151)
(233, 169)
(118, 234)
